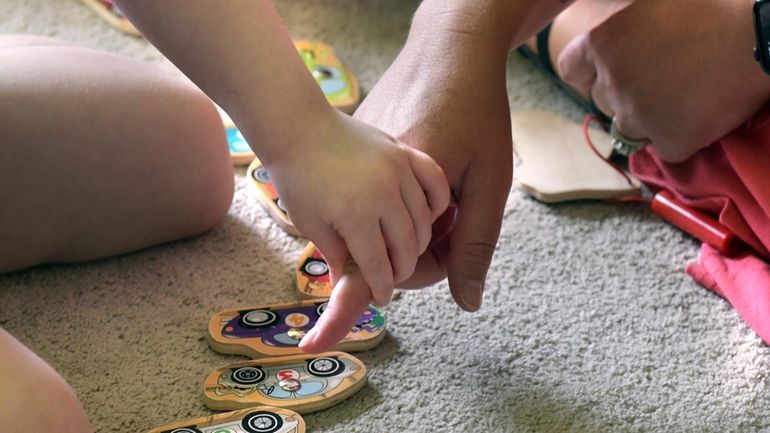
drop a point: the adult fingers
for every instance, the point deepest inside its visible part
(673, 151)
(349, 300)
(627, 128)
(576, 66)
(578, 69)
(475, 233)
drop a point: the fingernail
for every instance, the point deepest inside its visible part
(307, 339)
(471, 293)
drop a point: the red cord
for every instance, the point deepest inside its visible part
(586, 127)
(625, 199)
(699, 225)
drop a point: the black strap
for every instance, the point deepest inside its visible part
(543, 52)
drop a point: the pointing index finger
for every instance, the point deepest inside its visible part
(350, 299)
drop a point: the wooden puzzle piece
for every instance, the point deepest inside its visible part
(302, 383)
(240, 151)
(276, 330)
(267, 195)
(553, 161)
(110, 13)
(338, 84)
(312, 272)
(262, 419)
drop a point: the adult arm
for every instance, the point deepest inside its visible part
(446, 94)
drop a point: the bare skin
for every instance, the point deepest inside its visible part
(666, 75)
(424, 100)
(445, 94)
(35, 398)
(579, 18)
(353, 190)
(709, 84)
(102, 155)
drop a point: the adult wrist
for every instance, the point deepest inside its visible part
(479, 25)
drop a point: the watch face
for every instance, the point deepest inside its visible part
(762, 29)
(764, 14)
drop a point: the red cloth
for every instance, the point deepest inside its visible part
(742, 280)
(729, 179)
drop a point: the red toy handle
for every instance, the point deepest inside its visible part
(696, 223)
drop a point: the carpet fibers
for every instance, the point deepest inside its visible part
(589, 323)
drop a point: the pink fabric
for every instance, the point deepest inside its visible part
(743, 280)
(729, 179)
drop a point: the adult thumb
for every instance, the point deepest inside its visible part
(474, 237)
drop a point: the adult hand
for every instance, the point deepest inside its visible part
(679, 75)
(446, 96)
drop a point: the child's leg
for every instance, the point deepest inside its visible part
(101, 155)
(35, 398)
(18, 41)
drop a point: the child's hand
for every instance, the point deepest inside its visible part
(348, 302)
(359, 194)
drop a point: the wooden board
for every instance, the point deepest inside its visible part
(312, 274)
(262, 419)
(110, 13)
(554, 163)
(337, 82)
(302, 383)
(259, 179)
(276, 330)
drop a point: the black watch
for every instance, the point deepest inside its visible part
(762, 30)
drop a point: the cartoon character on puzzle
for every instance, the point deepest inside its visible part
(312, 272)
(110, 13)
(275, 330)
(301, 383)
(261, 419)
(338, 84)
(268, 196)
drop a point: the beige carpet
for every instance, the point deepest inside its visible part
(589, 323)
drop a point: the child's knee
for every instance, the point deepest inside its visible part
(24, 40)
(35, 397)
(204, 160)
(156, 137)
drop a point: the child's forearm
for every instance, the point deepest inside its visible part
(240, 54)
